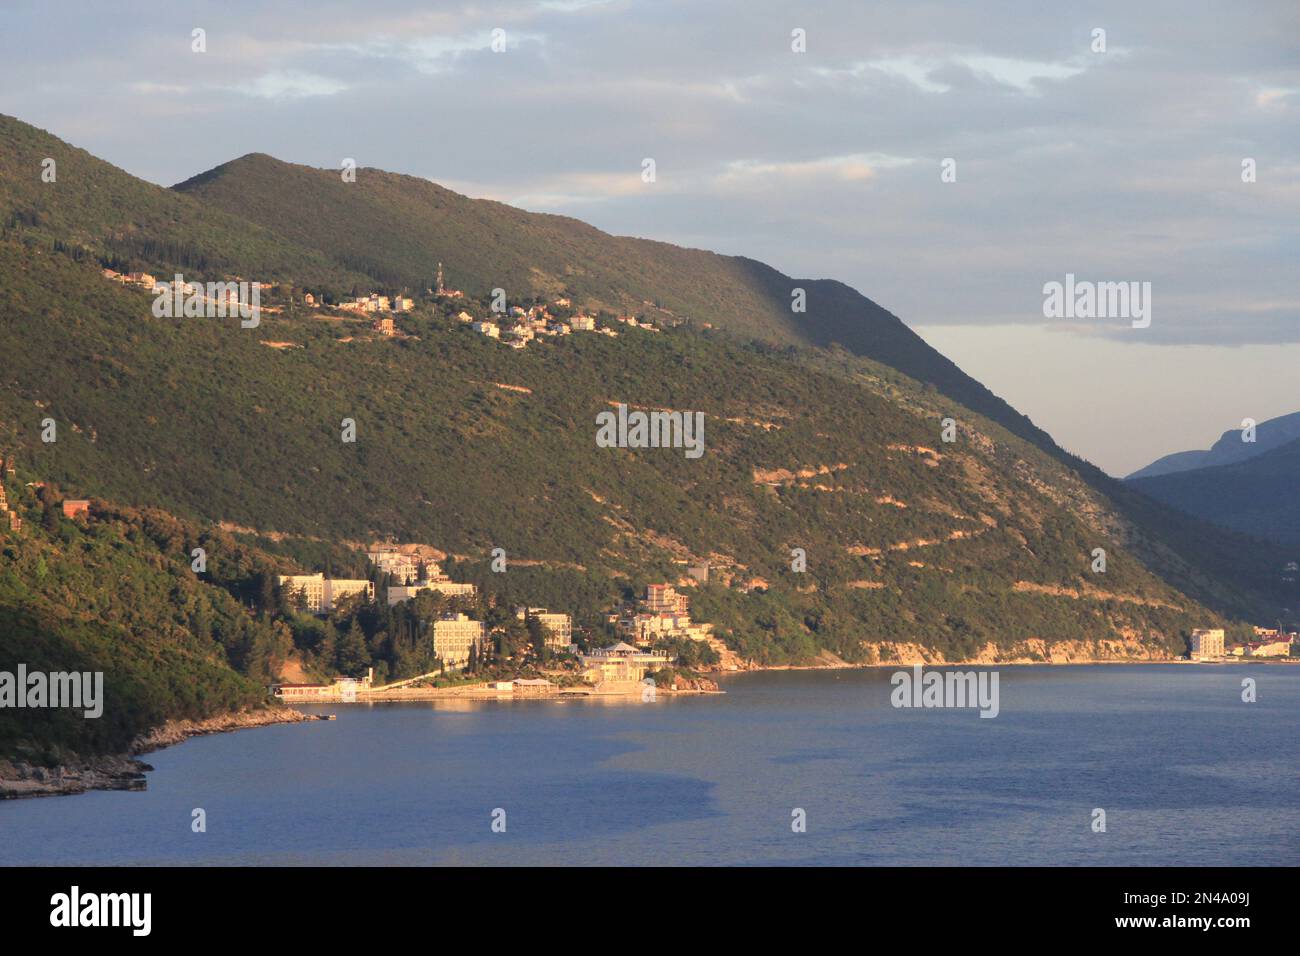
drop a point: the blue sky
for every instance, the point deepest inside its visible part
(1122, 165)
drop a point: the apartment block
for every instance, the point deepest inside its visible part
(557, 627)
(321, 594)
(454, 635)
(1207, 643)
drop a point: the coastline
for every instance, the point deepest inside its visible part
(20, 779)
(125, 771)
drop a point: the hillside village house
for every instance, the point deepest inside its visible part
(454, 635)
(663, 615)
(487, 328)
(664, 598)
(73, 507)
(405, 569)
(1207, 643)
(10, 516)
(320, 594)
(399, 564)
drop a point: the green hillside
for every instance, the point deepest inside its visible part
(396, 228)
(94, 209)
(116, 594)
(202, 418)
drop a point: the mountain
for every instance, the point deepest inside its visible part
(980, 548)
(1229, 449)
(92, 207)
(1256, 496)
(396, 228)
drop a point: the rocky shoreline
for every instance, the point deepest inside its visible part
(125, 771)
(1034, 652)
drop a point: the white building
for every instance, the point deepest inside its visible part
(400, 565)
(399, 593)
(622, 662)
(1207, 643)
(320, 594)
(557, 627)
(453, 637)
(487, 328)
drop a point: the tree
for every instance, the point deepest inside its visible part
(350, 655)
(537, 637)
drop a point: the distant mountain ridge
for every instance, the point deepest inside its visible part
(1228, 450)
(1256, 496)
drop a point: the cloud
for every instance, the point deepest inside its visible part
(1117, 166)
(290, 85)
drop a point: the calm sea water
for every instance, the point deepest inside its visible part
(1186, 772)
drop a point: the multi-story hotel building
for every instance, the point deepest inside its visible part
(1207, 642)
(664, 599)
(453, 637)
(557, 627)
(399, 593)
(320, 593)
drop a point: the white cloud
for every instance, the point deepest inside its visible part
(289, 85)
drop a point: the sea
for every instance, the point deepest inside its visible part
(1119, 765)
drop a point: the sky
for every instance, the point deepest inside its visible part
(948, 160)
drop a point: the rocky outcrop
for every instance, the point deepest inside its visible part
(19, 778)
(695, 685)
(177, 731)
(116, 772)
(1034, 651)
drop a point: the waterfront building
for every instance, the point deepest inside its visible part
(1207, 643)
(454, 635)
(622, 662)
